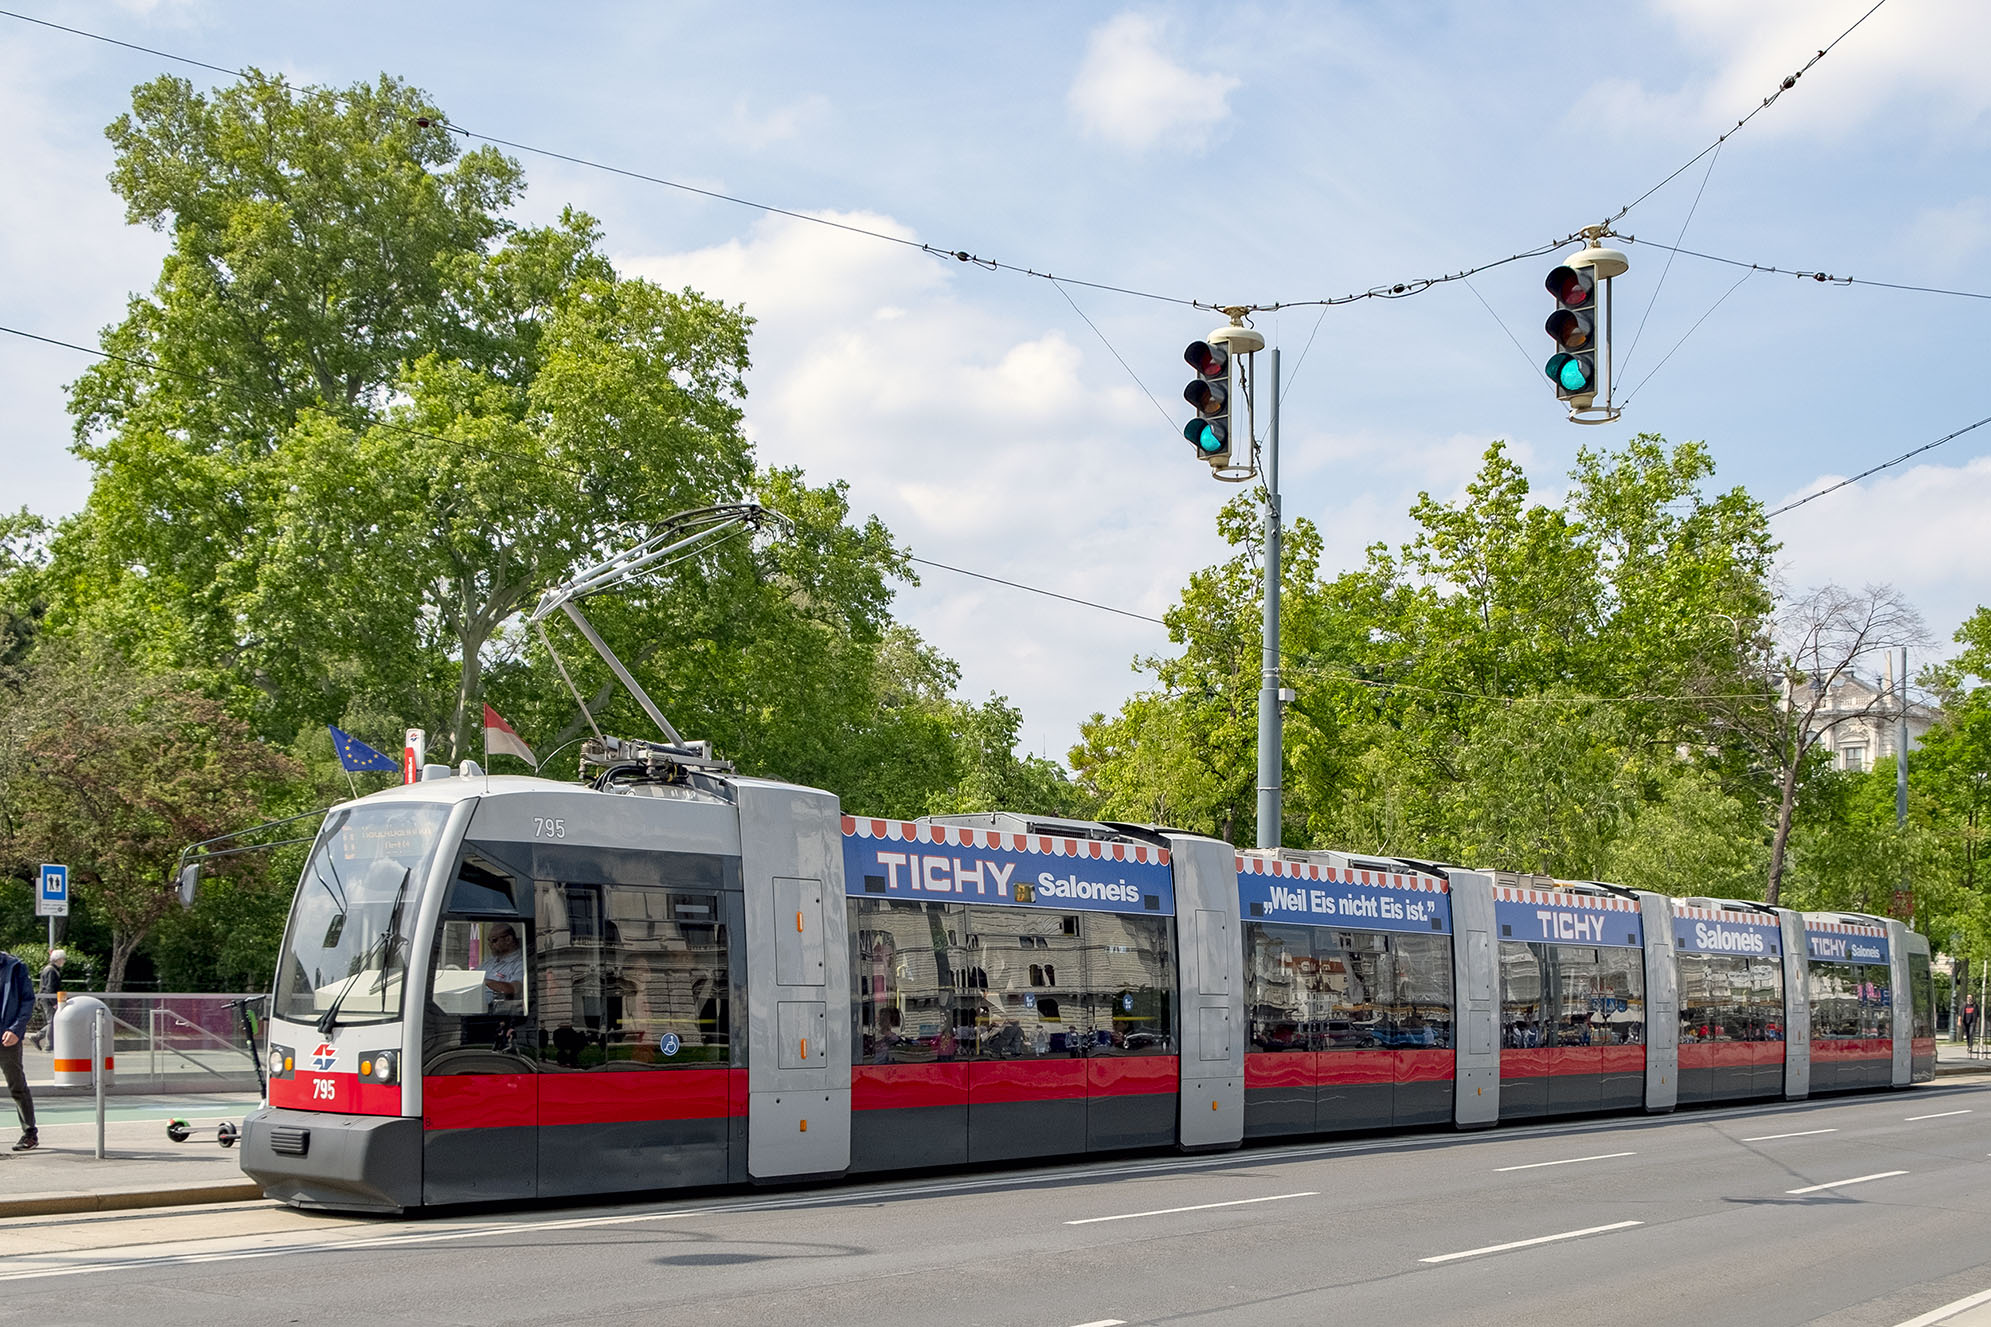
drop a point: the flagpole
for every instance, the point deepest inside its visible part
(350, 782)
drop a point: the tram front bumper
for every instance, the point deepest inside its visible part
(369, 1163)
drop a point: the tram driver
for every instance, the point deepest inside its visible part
(504, 970)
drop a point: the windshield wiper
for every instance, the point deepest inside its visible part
(330, 1018)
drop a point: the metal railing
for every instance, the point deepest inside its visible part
(174, 1042)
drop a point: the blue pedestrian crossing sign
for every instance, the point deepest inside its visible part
(52, 896)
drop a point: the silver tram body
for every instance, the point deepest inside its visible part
(721, 980)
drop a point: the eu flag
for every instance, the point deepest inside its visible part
(356, 755)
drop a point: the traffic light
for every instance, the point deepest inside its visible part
(1573, 326)
(1209, 395)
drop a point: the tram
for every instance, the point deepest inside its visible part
(504, 988)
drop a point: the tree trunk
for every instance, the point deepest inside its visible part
(123, 945)
(469, 688)
(1774, 890)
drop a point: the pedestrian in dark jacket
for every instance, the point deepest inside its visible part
(49, 991)
(17, 1002)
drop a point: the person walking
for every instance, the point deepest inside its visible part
(49, 993)
(17, 1001)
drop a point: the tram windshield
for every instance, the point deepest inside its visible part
(345, 951)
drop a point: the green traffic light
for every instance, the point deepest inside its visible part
(1208, 442)
(1570, 373)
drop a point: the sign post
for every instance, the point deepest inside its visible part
(52, 897)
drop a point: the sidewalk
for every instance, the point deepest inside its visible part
(1955, 1058)
(141, 1166)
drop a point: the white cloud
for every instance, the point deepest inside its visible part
(1130, 94)
(1927, 55)
(1923, 530)
(984, 442)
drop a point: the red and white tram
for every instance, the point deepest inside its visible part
(500, 988)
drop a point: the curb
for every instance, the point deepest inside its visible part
(119, 1200)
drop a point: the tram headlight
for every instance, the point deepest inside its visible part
(385, 1066)
(283, 1062)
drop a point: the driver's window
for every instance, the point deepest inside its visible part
(481, 969)
(480, 999)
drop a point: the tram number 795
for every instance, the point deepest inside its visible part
(546, 827)
(323, 1089)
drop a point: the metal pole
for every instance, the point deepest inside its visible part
(97, 1071)
(1271, 760)
(1901, 745)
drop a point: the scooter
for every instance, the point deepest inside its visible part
(227, 1132)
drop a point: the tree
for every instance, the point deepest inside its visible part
(1790, 700)
(1508, 688)
(1951, 779)
(115, 772)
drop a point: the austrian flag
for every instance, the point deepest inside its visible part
(500, 739)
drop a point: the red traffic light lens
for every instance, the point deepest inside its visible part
(1569, 286)
(1208, 360)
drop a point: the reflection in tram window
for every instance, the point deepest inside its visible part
(632, 977)
(1578, 970)
(909, 981)
(1730, 997)
(1618, 1012)
(1355, 975)
(1520, 995)
(1421, 1015)
(1283, 977)
(1014, 1018)
(1319, 988)
(1127, 984)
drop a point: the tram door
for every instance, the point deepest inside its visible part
(480, 1095)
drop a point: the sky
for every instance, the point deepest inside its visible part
(1027, 430)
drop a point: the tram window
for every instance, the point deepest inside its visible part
(632, 977)
(1012, 1019)
(1875, 995)
(1520, 994)
(1618, 1013)
(1767, 992)
(1577, 970)
(1699, 1010)
(909, 979)
(1283, 976)
(1127, 999)
(481, 989)
(1422, 1010)
(1923, 996)
(1356, 979)
(480, 887)
(1835, 1009)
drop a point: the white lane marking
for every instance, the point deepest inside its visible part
(1802, 1133)
(1199, 1207)
(1857, 1179)
(1105, 1322)
(1567, 1161)
(1539, 1239)
(1950, 1310)
(1941, 1114)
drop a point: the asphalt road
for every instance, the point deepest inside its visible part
(1872, 1209)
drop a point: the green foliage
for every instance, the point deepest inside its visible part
(358, 423)
(114, 772)
(1694, 838)
(1448, 689)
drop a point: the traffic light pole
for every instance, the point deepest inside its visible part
(1271, 761)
